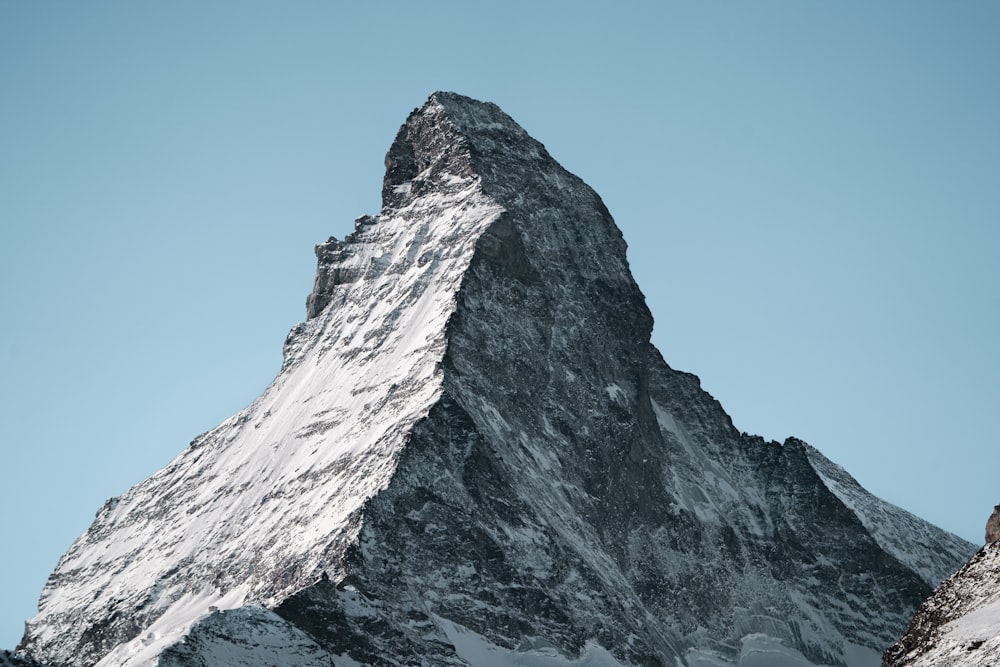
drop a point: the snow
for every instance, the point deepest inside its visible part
(477, 650)
(616, 393)
(698, 658)
(759, 650)
(971, 600)
(862, 656)
(212, 528)
(908, 538)
(247, 637)
(171, 627)
(982, 623)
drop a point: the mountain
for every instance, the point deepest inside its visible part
(472, 454)
(959, 624)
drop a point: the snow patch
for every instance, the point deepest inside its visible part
(171, 627)
(616, 393)
(980, 624)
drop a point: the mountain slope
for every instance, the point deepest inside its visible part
(959, 624)
(267, 501)
(473, 454)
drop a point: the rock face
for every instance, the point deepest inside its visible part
(993, 526)
(959, 624)
(474, 455)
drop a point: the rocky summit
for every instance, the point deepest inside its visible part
(472, 455)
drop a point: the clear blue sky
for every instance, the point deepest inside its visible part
(810, 192)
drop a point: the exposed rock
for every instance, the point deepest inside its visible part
(993, 526)
(12, 659)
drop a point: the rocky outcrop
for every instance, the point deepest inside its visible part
(993, 526)
(474, 455)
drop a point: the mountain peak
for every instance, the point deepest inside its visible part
(472, 453)
(451, 138)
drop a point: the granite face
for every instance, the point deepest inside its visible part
(474, 455)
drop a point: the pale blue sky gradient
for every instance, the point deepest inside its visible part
(810, 193)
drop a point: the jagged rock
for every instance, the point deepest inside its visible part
(473, 454)
(993, 526)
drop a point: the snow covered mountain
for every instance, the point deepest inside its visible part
(473, 455)
(959, 624)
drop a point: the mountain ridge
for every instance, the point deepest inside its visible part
(479, 449)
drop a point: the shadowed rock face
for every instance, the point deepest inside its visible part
(473, 449)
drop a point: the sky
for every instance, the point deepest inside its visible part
(810, 192)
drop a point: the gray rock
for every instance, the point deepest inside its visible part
(993, 526)
(12, 659)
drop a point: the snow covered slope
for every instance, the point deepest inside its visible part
(473, 455)
(959, 625)
(893, 528)
(267, 502)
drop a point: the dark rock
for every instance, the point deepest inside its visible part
(12, 659)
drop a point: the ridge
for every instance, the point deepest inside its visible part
(357, 375)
